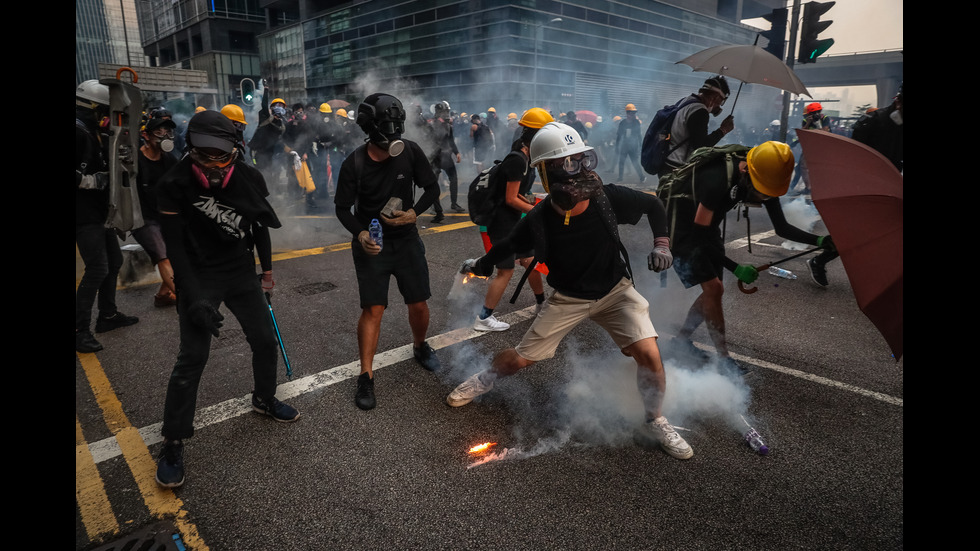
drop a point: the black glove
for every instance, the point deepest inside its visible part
(205, 316)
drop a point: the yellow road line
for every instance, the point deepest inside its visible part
(90, 495)
(161, 502)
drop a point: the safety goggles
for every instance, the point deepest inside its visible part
(163, 134)
(572, 165)
(208, 159)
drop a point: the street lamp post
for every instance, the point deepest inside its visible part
(539, 29)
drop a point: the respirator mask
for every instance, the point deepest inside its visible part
(571, 179)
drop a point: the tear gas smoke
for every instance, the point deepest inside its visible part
(801, 214)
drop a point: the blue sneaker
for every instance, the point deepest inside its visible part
(280, 411)
(170, 468)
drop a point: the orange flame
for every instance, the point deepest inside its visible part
(482, 447)
(468, 277)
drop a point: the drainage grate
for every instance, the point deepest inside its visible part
(162, 536)
(315, 288)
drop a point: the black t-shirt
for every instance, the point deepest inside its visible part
(583, 257)
(513, 168)
(217, 224)
(150, 172)
(393, 177)
(716, 189)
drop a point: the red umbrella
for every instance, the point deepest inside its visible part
(859, 195)
(338, 104)
(586, 116)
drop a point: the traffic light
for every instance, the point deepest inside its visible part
(776, 34)
(248, 91)
(810, 46)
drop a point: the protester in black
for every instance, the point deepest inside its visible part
(514, 184)
(154, 162)
(384, 169)
(690, 128)
(97, 245)
(445, 157)
(628, 139)
(215, 218)
(575, 231)
(883, 130)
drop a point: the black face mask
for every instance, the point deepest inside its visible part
(566, 193)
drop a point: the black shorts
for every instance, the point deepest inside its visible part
(403, 258)
(701, 264)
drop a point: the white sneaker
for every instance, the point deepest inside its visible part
(468, 389)
(490, 324)
(670, 441)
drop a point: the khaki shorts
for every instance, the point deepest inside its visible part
(623, 313)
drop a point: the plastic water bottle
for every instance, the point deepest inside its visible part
(755, 442)
(779, 272)
(375, 231)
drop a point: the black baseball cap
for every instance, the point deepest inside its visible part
(212, 129)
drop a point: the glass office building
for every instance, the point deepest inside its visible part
(106, 33)
(597, 55)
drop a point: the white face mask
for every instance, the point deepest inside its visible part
(896, 117)
(167, 145)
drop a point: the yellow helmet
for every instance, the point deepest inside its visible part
(325, 108)
(200, 108)
(617, 118)
(234, 113)
(491, 110)
(277, 100)
(535, 117)
(771, 167)
(630, 107)
(588, 125)
(342, 113)
(511, 116)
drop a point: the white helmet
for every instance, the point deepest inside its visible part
(555, 141)
(93, 91)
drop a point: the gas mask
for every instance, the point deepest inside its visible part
(213, 171)
(278, 111)
(166, 139)
(896, 117)
(570, 180)
(387, 135)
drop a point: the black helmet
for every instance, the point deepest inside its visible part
(382, 118)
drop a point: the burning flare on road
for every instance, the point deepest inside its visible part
(481, 448)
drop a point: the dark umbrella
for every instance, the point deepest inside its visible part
(859, 194)
(338, 104)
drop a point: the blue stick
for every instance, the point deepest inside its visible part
(289, 369)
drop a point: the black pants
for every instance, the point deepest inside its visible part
(99, 248)
(242, 295)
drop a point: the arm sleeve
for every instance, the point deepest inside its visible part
(630, 205)
(783, 228)
(425, 179)
(185, 276)
(263, 245)
(520, 238)
(345, 197)
(697, 128)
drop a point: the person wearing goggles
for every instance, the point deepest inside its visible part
(154, 161)
(215, 217)
(575, 232)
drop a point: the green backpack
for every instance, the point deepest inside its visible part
(677, 187)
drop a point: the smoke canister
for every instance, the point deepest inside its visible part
(755, 442)
(375, 231)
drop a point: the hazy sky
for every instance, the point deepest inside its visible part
(863, 25)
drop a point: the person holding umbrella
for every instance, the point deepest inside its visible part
(689, 130)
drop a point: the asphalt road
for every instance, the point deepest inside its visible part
(565, 471)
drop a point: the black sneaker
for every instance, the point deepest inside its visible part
(457, 208)
(730, 366)
(85, 342)
(364, 397)
(114, 321)
(439, 217)
(280, 411)
(426, 356)
(817, 272)
(170, 467)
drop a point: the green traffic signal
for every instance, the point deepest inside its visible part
(811, 46)
(247, 87)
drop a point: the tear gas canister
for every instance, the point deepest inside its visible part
(755, 442)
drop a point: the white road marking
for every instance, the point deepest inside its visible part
(108, 448)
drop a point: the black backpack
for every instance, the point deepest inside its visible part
(485, 195)
(656, 141)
